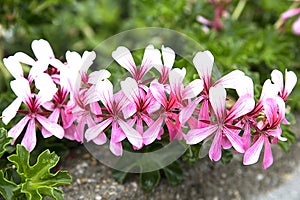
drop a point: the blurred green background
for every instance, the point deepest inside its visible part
(248, 40)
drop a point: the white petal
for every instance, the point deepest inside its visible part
(46, 86)
(269, 90)
(130, 89)
(290, 81)
(97, 76)
(192, 89)
(151, 58)
(10, 112)
(13, 66)
(231, 80)
(168, 55)
(52, 127)
(21, 88)
(217, 98)
(123, 56)
(245, 87)
(24, 58)
(203, 62)
(132, 135)
(88, 58)
(277, 78)
(176, 77)
(42, 49)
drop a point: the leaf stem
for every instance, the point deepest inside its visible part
(238, 9)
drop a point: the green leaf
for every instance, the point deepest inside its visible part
(37, 181)
(119, 175)
(4, 141)
(192, 154)
(149, 180)
(174, 173)
(7, 187)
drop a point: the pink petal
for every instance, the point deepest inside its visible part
(29, 139)
(105, 92)
(296, 26)
(100, 139)
(186, 112)
(195, 136)
(203, 114)
(15, 131)
(226, 144)
(244, 105)
(13, 66)
(246, 136)
(203, 20)
(173, 129)
(252, 154)
(290, 13)
(192, 89)
(271, 109)
(157, 90)
(10, 112)
(268, 157)
(94, 131)
(132, 135)
(53, 128)
(117, 135)
(152, 132)
(217, 98)
(123, 56)
(235, 139)
(176, 77)
(203, 62)
(116, 148)
(168, 55)
(215, 151)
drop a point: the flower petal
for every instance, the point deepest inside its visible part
(245, 87)
(231, 80)
(152, 57)
(123, 56)
(21, 88)
(98, 76)
(187, 112)
(116, 148)
(290, 13)
(157, 90)
(192, 89)
(252, 154)
(234, 139)
(42, 49)
(277, 79)
(217, 98)
(13, 66)
(268, 157)
(244, 105)
(131, 89)
(10, 112)
(203, 62)
(100, 139)
(15, 131)
(168, 55)
(92, 132)
(29, 139)
(215, 151)
(152, 132)
(290, 81)
(53, 128)
(176, 77)
(24, 58)
(132, 135)
(195, 136)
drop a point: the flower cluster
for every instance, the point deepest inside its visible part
(66, 100)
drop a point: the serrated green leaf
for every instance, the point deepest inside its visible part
(37, 179)
(4, 141)
(174, 173)
(149, 180)
(192, 154)
(7, 187)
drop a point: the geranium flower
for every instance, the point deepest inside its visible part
(114, 104)
(290, 13)
(35, 114)
(224, 132)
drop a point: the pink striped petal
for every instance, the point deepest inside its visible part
(15, 131)
(203, 114)
(268, 157)
(192, 89)
(252, 154)
(215, 151)
(29, 139)
(187, 112)
(195, 136)
(203, 62)
(123, 56)
(176, 77)
(244, 105)
(132, 135)
(234, 139)
(53, 128)
(217, 98)
(152, 132)
(152, 57)
(92, 132)
(100, 139)
(131, 89)
(231, 80)
(116, 148)
(117, 135)
(157, 90)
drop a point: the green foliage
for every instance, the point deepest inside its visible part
(19, 179)
(173, 173)
(192, 154)
(149, 180)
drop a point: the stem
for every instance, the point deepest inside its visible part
(238, 9)
(279, 22)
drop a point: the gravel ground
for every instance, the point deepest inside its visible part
(204, 180)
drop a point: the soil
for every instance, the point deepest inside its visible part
(204, 180)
